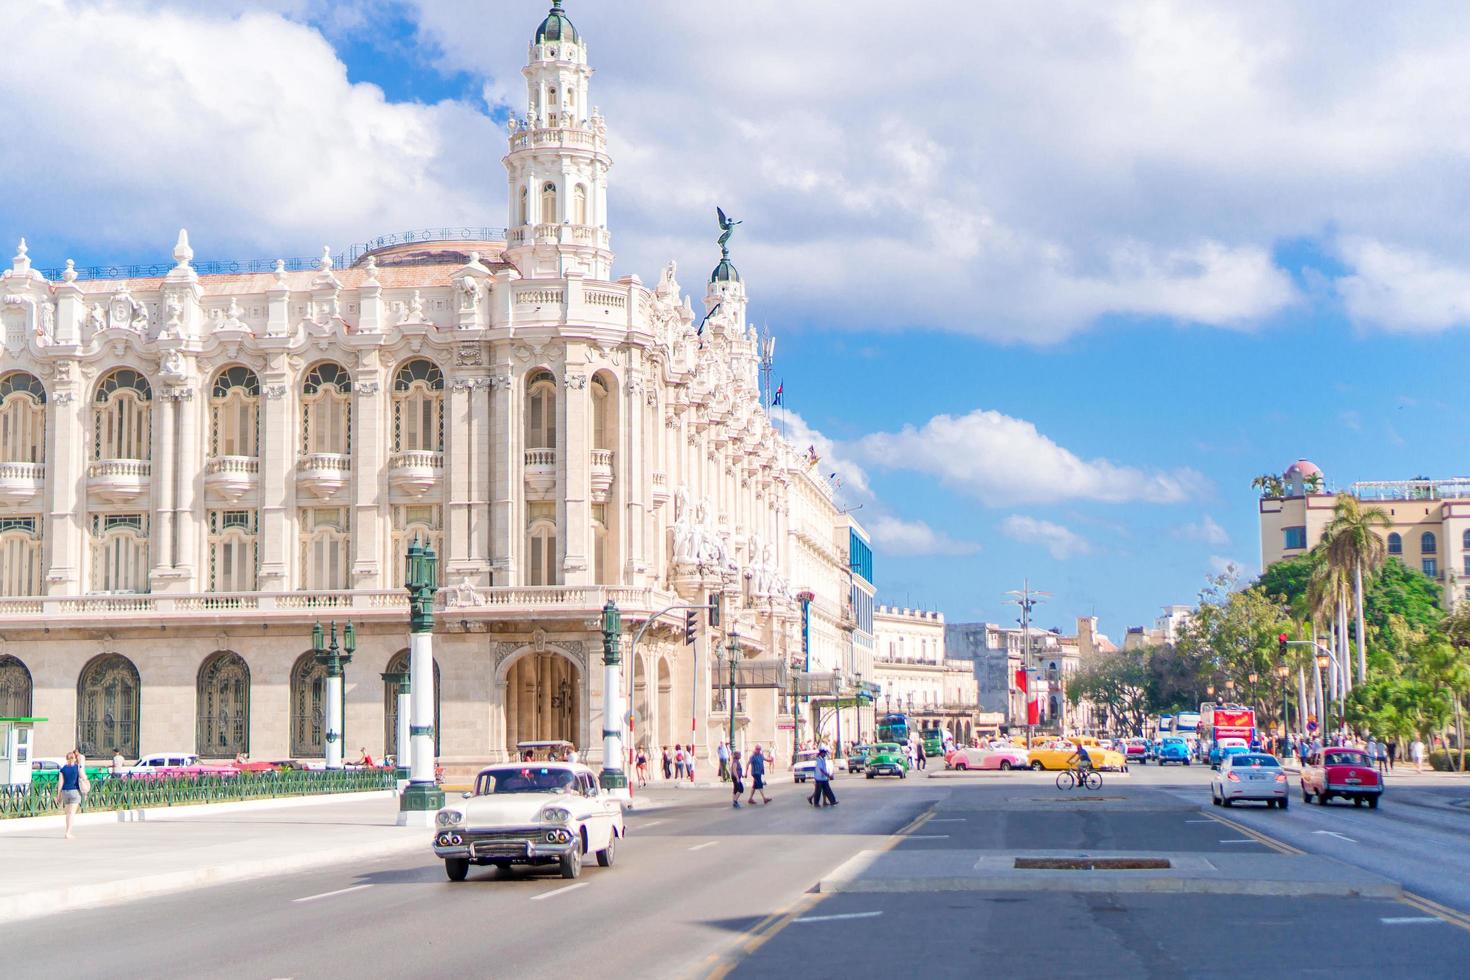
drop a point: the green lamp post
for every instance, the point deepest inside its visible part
(422, 798)
(335, 658)
(613, 779)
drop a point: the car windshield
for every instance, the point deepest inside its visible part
(527, 779)
(1343, 759)
(885, 747)
(1246, 761)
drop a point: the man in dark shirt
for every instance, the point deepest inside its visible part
(758, 776)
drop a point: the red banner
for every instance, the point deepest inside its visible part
(1021, 680)
(1033, 712)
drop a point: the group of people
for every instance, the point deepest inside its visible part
(1383, 752)
(678, 764)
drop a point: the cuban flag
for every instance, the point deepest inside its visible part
(780, 390)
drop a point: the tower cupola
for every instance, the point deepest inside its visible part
(556, 27)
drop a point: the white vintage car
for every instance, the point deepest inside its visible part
(529, 813)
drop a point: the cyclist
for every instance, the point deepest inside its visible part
(1080, 760)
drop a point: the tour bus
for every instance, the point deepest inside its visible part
(1217, 721)
(894, 727)
(1186, 723)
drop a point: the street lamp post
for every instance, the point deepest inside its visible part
(1229, 689)
(334, 658)
(1282, 672)
(733, 650)
(422, 797)
(613, 779)
(1323, 660)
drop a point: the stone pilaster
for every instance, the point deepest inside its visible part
(369, 444)
(67, 453)
(575, 466)
(279, 443)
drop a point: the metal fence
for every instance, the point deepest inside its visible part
(127, 793)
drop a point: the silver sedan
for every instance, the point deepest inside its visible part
(1250, 776)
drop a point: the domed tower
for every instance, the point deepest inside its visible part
(558, 162)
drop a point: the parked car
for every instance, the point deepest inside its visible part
(1057, 754)
(858, 758)
(1333, 771)
(805, 765)
(1249, 776)
(1224, 748)
(887, 759)
(1005, 757)
(1136, 749)
(160, 764)
(1174, 748)
(529, 814)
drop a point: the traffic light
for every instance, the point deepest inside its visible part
(690, 623)
(714, 609)
(1281, 645)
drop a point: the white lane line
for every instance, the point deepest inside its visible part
(926, 836)
(834, 918)
(559, 891)
(645, 826)
(340, 891)
(1333, 833)
(1199, 821)
(1405, 920)
(948, 820)
(700, 847)
(1240, 840)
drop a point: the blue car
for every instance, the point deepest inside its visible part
(1173, 748)
(1226, 747)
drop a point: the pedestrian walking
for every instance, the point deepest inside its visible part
(723, 754)
(919, 748)
(69, 789)
(1417, 752)
(758, 776)
(668, 764)
(822, 778)
(118, 762)
(1393, 753)
(1380, 755)
(642, 767)
(737, 778)
(572, 755)
(679, 762)
(689, 761)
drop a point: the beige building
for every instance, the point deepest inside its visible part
(198, 462)
(1429, 521)
(918, 677)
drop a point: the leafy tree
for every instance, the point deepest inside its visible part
(1354, 548)
(1270, 485)
(1118, 683)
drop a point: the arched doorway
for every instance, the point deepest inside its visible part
(308, 708)
(15, 688)
(107, 707)
(543, 700)
(641, 706)
(399, 665)
(665, 703)
(224, 706)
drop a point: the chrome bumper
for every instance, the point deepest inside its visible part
(528, 846)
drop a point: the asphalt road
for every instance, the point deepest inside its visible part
(702, 889)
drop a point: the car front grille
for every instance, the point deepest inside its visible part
(501, 843)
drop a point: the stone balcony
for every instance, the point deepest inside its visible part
(540, 473)
(323, 474)
(415, 471)
(119, 481)
(20, 482)
(659, 492)
(589, 235)
(602, 475)
(232, 477)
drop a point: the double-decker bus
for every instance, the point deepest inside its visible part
(894, 727)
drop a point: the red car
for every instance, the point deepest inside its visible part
(1136, 749)
(1346, 772)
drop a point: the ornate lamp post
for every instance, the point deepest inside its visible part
(1322, 661)
(422, 797)
(613, 779)
(334, 658)
(1282, 672)
(1229, 689)
(733, 650)
(1210, 692)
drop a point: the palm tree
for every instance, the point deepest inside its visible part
(1454, 672)
(1352, 543)
(1270, 485)
(1327, 595)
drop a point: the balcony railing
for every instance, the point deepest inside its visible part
(119, 480)
(20, 482)
(540, 457)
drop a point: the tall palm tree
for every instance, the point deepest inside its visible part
(1327, 598)
(1454, 672)
(1353, 545)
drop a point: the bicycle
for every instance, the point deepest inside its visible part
(1075, 778)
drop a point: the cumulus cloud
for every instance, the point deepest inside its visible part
(1403, 289)
(1060, 542)
(845, 473)
(896, 536)
(1003, 460)
(1206, 530)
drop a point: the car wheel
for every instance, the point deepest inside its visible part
(1373, 802)
(1357, 801)
(1186, 762)
(1281, 803)
(457, 868)
(870, 775)
(605, 856)
(1037, 766)
(1306, 797)
(571, 865)
(960, 767)
(1005, 765)
(1213, 798)
(1225, 802)
(1322, 798)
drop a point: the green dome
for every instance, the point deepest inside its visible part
(556, 27)
(725, 272)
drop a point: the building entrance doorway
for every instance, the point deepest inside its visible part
(543, 701)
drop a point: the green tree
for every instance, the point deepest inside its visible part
(1354, 547)
(1270, 485)
(1118, 684)
(1449, 666)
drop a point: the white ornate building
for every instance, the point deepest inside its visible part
(918, 675)
(196, 464)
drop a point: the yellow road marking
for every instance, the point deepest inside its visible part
(1281, 847)
(1443, 912)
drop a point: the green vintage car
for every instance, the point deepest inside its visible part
(886, 759)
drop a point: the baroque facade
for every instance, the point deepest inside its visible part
(198, 463)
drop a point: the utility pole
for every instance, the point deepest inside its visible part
(1027, 597)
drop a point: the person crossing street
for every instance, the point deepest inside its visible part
(822, 778)
(758, 776)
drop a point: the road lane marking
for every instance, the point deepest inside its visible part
(700, 847)
(559, 891)
(849, 915)
(340, 891)
(926, 837)
(1399, 920)
(1200, 821)
(645, 826)
(1333, 833)
(948, 820)
(1453, 916)
(1241, 840)
(1279, 847)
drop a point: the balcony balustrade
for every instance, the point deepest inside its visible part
(323, 474)
(659, 492)
(540, 473)
(416, 471)
(602, 475)
(231, 477)
(119, 481)
(20, 482)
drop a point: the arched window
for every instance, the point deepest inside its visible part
(1465, 540)
(602, 553)
(22, 418)
(579, 204)
(308, 708)
(107, 707)
(121, 423)
(1426, 543)
(548, 203)
(602, 413)
(119, 553)
(418, 407)
(541, 411)
(1395, 544)
(326, 410)
(525, 207)
(234, 413)
(416, 522)
(541, 558)
(223, 706)
(325, 545)
(15, 688)
(232, 552)
(20, 557)
(399, 665)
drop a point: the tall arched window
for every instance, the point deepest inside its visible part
(525, 206)
(326, 410)
(418, 407)
(308, 708)
(232, 551)
(1427, 543)
(15, 688)
(541, 559)
(399, 665)
(234, 413)
(325, 549)
(579, 204)
(107, 707)
(20, 556)
(119, 553)
(1395, 544)
(548, 203)
(602, 434)
(602, 554)
(121, 422)
(22, 418)
(223, 706)
(541, 411)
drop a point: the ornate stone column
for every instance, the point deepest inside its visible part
(576, 469)
(279, 441)
(368, 459)
(67, 453)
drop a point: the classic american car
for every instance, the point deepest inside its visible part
(858, 758)
(1057, 754)
(887, 759)
(1337, 771)
(529, 814)
(1173, 748)
(997, 757)
(1225, 748)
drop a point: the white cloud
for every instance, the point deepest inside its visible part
(1059, 541)
(836, 466)
(1403, 289)
(1003, 460)
(1206, 530)
(896, 536)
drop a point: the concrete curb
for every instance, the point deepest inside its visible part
(1114, 881)
(160, 813)
(37, 904)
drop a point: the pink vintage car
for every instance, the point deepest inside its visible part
(161, 764)
(1005, 757)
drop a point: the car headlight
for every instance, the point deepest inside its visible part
(555, 814)
(448, 818)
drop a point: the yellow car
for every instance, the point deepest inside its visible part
(1057, 754)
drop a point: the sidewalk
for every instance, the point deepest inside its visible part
(189, 847)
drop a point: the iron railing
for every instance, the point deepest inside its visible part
(132, 793)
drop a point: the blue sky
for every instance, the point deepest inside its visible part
(1049, 289)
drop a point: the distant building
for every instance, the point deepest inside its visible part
(998, 655)
(920, 676)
